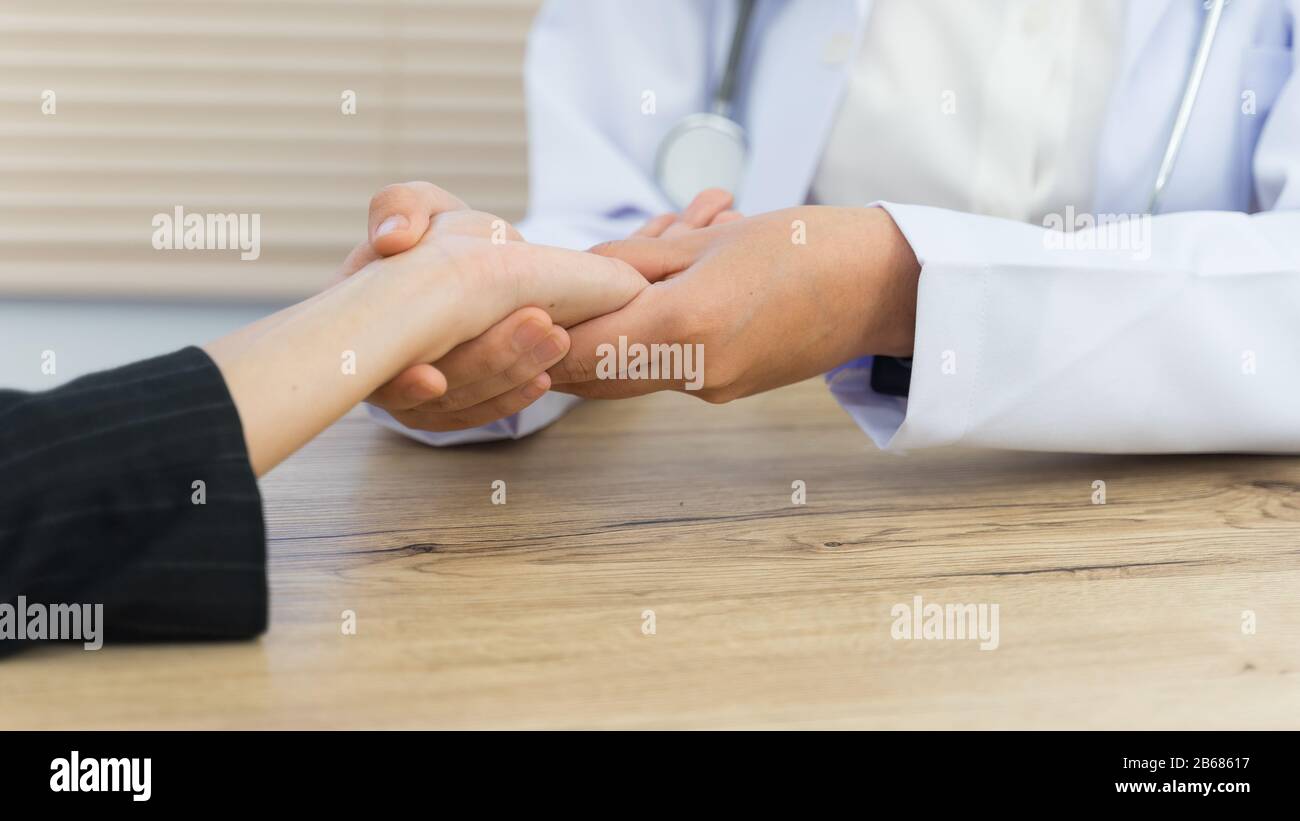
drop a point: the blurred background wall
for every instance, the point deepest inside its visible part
(112, 112)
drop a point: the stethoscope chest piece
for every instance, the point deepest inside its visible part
(708, 149)
(702, 151)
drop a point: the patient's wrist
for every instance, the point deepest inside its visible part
(413, 306)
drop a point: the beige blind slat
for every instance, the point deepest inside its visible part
(234, 107)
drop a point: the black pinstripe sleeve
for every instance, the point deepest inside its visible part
(132, 488)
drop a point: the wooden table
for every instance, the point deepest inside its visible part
(765, 613)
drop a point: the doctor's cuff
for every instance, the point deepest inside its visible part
(531, 419)
(951, 306)
(878, 414)
(941, 235)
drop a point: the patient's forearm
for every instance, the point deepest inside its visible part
(301, 369)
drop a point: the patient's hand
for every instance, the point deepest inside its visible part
(466, 273)
(479, 264)
(504, 370)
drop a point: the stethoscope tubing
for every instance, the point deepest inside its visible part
(724, 100)
(1190, 92)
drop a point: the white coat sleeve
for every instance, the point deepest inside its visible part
(1182, 336)
(592, 137)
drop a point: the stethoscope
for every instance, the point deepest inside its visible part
(709, 149)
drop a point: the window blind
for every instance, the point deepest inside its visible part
(117, 112)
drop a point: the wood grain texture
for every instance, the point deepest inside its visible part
(767, 614)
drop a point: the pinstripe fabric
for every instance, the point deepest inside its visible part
(97, 484)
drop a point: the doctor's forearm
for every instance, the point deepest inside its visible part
(895, 276)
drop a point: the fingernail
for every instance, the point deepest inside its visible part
(549, 349)
(396, 222)
(529, 334)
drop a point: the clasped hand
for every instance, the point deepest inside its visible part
(772, 300)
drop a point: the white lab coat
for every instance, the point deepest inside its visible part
(1191, 344)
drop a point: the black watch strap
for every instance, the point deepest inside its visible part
(890, 375)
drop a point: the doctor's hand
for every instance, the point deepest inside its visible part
(712, 206)
(773, 299)
(505, 370)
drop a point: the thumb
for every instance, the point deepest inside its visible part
(646, 320)
(400, 214)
